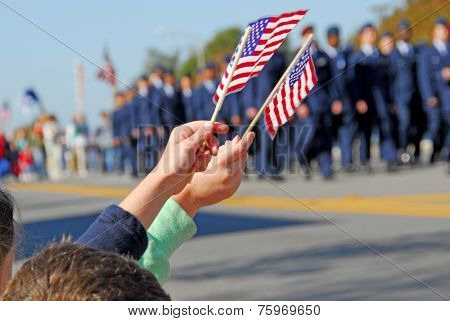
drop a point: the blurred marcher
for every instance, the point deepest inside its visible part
(174, 111)
(187, 98)
(344, 124)
(206, 92)
(315, 117)
(145, 127)
(403, 73)
(230, 112)
(129, 141)
(116, 125)
(370, 100)
(434, 82)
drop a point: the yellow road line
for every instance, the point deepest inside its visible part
(423, 205)
(69, 189)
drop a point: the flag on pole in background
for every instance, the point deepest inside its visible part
(107, 72)
(30, 100)
(266, 37)
(295, 88)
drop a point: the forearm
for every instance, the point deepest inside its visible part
(147, 199)
(187, 202)
(171, 228)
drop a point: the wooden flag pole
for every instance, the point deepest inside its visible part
(230, 76)
(278, 85)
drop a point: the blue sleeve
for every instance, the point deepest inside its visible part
(134, 110)
(157, 102)
(424, 75)
(144, 112)
(353, 76)
(115, 124)
(117, 231)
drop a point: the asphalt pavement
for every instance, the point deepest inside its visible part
(373, 236)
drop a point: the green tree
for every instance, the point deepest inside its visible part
(156, 57)
(420, 13)
(223, 43)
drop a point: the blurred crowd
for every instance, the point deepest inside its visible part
(385, 95)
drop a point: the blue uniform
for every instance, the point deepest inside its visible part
(146, 117)
(403, 77)
(344, 124)
(254, 95)
(368, 86)
(197, 112)
(116, 126)
(156, 97)
(205, 100)
(187, 99)
(230, 109)
(128, 119)
(314, 133)
(432, 84)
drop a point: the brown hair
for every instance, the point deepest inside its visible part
(7, 229)
(72, 272)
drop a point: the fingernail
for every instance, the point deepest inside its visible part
(236, 139)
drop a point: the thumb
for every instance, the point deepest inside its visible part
(197, 139)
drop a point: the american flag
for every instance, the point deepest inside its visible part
(266, 37)
(295, 88)
(107, 72)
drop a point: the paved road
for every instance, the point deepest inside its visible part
(360, 237)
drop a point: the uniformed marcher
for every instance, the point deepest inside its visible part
(173, 113)
(344, 124)
(187, 97)
(370, 102)
(156, 97)
(230, 111)
(145, 128)
(314, 117)
(117, 139)
(206, 92)
(434, 82)
(403, 71)
(252, 98)
(129, 144)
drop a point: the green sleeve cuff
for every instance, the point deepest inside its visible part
(171, 228)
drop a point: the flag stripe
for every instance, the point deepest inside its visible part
(294, 90)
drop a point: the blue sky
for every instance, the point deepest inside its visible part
(30, 58)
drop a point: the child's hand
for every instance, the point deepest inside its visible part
(220, 180)
(190, 148)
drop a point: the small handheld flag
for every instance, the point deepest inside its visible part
(296, 87)
(294, 73)
(266, 36)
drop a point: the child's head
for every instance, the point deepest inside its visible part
(71, 272)
(7, 231)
